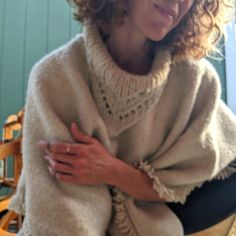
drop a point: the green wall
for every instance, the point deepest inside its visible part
(28, 30)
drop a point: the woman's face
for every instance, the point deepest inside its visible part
(156, 18)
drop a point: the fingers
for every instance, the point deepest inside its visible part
(66, 173)
(55, 166)
(68, 148)
(68, 178)
(59, 147)
(69, 160)
(79, 179)
(80, 136)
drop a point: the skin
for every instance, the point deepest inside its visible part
(128, 43)
(89, 163)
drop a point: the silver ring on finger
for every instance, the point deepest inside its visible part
(68, 149)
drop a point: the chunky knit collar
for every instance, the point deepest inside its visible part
(122, 98)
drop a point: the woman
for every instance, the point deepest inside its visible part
(127, 113)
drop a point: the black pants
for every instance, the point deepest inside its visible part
(208, 205)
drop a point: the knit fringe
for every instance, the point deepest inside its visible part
(122, 218)
(17, 204)
(25, 230)
(161, 189)
(226, 172)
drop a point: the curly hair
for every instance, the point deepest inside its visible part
(196, 36)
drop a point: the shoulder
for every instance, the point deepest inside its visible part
(198, 68)
(55, 63)
(199, 73)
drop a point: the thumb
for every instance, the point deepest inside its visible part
(78, 135)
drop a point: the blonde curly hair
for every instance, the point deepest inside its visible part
(196, 36)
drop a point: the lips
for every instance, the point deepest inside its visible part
(166, 11)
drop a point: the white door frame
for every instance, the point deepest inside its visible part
(230, 54)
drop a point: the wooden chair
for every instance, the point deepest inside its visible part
(226, 227)
(10, 148)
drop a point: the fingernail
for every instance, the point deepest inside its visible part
(74, 124)
(51, 171)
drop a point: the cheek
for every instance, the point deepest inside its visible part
(184, 9)
(137, 9)
(140, 14)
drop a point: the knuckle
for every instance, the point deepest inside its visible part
(53, 146)
(57, 146)
(75, 146)
(94, 141)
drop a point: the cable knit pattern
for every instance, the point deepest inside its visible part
(123, 98)
(170, 121)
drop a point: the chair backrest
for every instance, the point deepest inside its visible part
(10, 147)
(13, 124)
(11, 160)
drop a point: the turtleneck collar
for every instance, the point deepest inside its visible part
(122, 97)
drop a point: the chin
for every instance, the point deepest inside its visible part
(157, 34)
(157, 37)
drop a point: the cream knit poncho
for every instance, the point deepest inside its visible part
(170, 123)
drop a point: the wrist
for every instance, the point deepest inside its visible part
(121, 173)
(125, 176)
(133, 182)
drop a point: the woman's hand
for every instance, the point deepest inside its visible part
(86, 162)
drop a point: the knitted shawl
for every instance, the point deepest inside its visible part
(170, 123)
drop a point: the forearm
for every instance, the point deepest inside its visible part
(134, 182)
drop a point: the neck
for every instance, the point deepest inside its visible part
(129, 49)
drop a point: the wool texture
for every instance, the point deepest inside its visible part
(170, 123)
